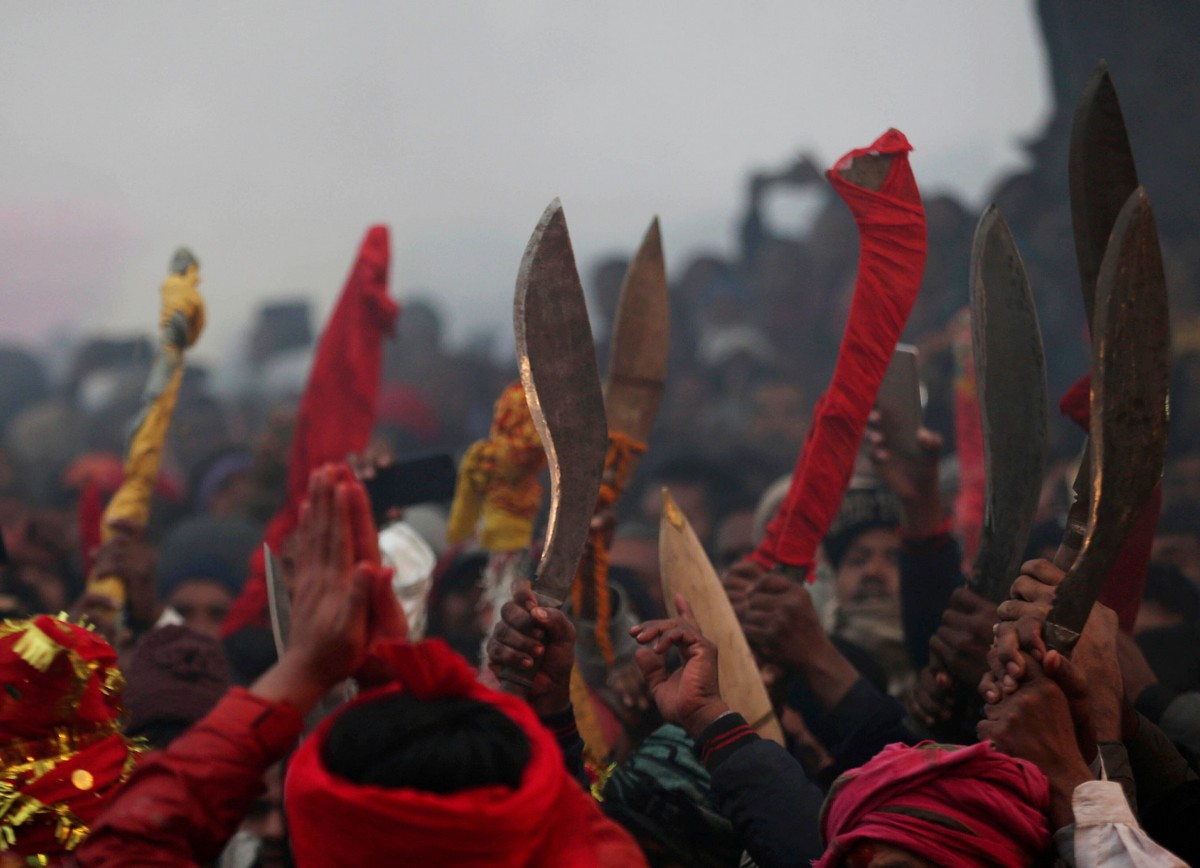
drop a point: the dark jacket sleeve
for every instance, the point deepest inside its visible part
(764, 792)
(862, 724)
(1158, 767)
(562, 724)
(183, 804)
(930, 570)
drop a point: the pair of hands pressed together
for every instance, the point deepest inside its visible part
(342, 598)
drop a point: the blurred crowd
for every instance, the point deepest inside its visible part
(913, 722)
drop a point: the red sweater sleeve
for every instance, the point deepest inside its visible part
(183, 804)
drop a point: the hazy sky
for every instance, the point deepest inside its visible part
(268, 135)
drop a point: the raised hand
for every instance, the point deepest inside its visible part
(527, 635)
(912, 478)
(960, 644)
(1043, 722)
(739, 581)
(1032, 592)
(781, 622)
(341, 596)
(689, 697)
(127, 556)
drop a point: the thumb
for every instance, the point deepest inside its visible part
(685, 612)
(1070, 679)
(1066, 675)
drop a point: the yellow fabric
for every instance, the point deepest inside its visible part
(131, 503)
(36, 648)
(594, 743)
(498, 496)
(181, 294)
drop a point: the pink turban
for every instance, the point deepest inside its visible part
(951, 805)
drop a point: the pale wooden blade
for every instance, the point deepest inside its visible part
(686, 570)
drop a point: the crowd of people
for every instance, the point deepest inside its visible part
(367, 717)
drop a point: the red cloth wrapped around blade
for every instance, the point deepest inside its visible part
(547, 821)
(336, 412)
(891, 261)
(1126, 582)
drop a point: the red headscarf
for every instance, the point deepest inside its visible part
(891, 261)
(547, 821)
(950, 805)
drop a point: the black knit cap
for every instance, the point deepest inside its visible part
(862, 509)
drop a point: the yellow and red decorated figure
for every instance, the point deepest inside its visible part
(498, 490)
(63, 750)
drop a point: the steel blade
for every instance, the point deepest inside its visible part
(557, 360)
(637, 368)
(1130, 371)
(1010, 372)
(279, 604)
(1101, 174)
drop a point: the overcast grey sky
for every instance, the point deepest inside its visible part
(269, 135)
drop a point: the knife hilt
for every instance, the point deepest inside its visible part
(1073, 536)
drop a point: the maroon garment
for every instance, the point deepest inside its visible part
(337, 410)
(183, 804)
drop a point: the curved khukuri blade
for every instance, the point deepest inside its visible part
(1010, 374)
(1102, 176)
(687, 570)
(637, 368)
(557, 360)
(1130, 368)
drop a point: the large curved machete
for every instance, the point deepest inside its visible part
(557, 360)
(1101, 175)
(1010, 372)
(637, 367)
(1130, 371)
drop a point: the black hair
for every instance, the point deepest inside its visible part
(436, 746)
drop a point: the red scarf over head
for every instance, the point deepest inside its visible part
(947, 804)
(547, 821)
(891, 261)
(336, 412)
(1126, 582)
